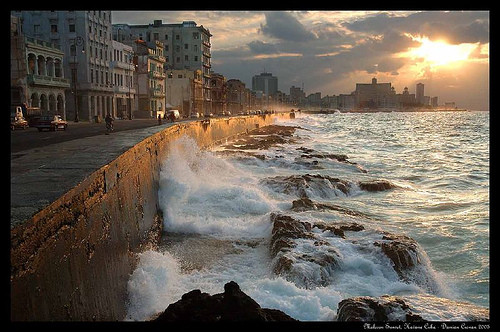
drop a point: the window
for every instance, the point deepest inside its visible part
(186, 57)
(72, 28)
(91, 76)
(195, 48)
(177, 37)
(53, 28)
(195, 58)
(186, 46)
(177, 48)
(36, 28)
(178, 59)
(156, 36)
(196, 35)
(166, 37)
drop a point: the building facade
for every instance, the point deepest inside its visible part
(236, 96)
(123, 69)
(150, 78)
(375, 95)
(89, 60)
(186, 46)
(218, 88)
(37, 75)
(184, 91)
(265, 82)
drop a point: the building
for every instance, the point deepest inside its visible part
(236, 96)
(434, 101)
(186, 46)
(218, 86)
(150, 78)
(265, 82)
(86, 40)
(375, 95)
(123, 69)
(297, 95)
(37, 75)
(420, 94)
(184, 91)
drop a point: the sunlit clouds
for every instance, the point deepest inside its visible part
(331, 51)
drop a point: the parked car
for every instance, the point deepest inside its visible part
(51, 123)
(194, 115)
(18, 122)
(173, 115)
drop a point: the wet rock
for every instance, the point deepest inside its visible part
(403, 251)
(338, 229)
(285, 229)
(231, 306)
(305, 204)
(309, 268)
(367, 309)
(263, 138)
(298, 185)
(311, 153)
(376, 185)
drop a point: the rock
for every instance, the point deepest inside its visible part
(311, 153)
(309, 269)
(305, 204)
(285, 229)
(263, 138)
(376, 185)
(402, 250)
(298, 185)
(367, 309)
(231, 306)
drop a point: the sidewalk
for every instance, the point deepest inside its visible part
(41, 175)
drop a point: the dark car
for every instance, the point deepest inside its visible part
(51, 123)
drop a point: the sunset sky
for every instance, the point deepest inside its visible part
(331, 51)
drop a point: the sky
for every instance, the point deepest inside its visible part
(331, 51)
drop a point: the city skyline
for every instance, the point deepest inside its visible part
(330, 51)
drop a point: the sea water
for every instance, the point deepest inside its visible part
(217, 209)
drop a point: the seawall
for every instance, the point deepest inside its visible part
(72, 260)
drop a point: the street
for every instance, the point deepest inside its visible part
(30, 138)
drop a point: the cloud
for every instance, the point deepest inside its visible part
(259, 47)
(454, 26)
(285, 26)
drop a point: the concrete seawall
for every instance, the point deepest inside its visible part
(72, 260)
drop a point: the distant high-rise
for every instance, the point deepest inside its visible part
(420, 93)
(265, 82)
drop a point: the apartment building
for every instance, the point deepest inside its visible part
(186, 46)
(123, 69)
(37, 76)
(150, 77)
(86, 42)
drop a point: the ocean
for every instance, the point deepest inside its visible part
(221, 207)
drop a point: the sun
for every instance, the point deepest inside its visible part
(439, 53)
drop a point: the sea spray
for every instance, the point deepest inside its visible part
(200, 193)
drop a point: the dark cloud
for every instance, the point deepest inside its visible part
(285, 26)
(456, 27)
(259, 47)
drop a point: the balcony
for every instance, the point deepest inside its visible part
(40, 80)
(156, 93)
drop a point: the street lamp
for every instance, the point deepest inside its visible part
(78, 41)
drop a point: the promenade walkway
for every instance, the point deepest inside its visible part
(41, 175)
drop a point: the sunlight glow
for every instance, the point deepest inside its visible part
(439, 53)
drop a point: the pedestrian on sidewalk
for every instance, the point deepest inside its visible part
(159, 119)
